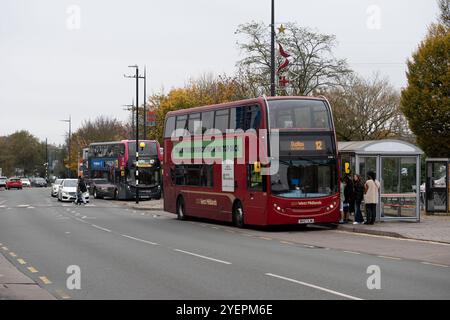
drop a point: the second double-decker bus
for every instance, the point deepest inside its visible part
(215, 168)
(116, 162)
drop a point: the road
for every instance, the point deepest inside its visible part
(128, 254)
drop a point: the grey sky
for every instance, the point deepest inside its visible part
(48, 71)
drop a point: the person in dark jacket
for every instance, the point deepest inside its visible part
(349, 198)
(81, 189)
(358, 188)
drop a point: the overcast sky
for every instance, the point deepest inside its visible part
(61, 58)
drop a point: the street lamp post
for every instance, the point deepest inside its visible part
(68, 145)
(145, 104)
(272, 51)
(137, 77)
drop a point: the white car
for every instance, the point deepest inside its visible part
(55, 187)
(25, 182)
(68, 191)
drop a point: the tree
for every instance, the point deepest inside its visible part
(99, 130)
(22, 154)
(426, 99)
(206, 90)
(366, 109)
(312, 64)
(444, 18)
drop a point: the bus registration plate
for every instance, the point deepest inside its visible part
(303, 221)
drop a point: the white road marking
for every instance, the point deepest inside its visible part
(203, 257)
(30, 207)
(140, 240)
(81, 220)
(352, 252)
(314, 286)
(391, 258)
(23, 205)
(434, 264)
(100, 228)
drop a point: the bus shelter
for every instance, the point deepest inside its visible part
(438, 185)
(396, 165)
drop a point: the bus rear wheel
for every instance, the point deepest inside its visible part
(238, 215)
(181, 209)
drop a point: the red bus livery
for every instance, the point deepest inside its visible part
(263, 161)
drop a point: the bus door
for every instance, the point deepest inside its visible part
(256, 195)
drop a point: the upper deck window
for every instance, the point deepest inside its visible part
(299, 114)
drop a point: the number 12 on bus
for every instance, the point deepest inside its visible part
(262, 161)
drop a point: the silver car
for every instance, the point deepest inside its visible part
(55, 187)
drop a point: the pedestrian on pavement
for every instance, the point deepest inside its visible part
(345, 186)
(81, 189)
(351, 196)
(359, 196)
(371, 194)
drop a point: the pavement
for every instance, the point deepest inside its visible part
(125, 253)
(430, 228)
(14, 285)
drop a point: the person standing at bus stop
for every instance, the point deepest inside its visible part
(371, 189)
(359, 196)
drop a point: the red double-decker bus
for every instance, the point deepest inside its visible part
(116, 162)
(262, 161)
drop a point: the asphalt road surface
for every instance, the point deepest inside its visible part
(127, 254)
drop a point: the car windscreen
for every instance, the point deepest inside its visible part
(70, 183)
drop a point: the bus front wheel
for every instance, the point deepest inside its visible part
(238, 215)
(181, 209)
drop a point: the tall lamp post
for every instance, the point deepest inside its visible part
(272, 51)
(68, 145)
(137, 77)
(145, 104)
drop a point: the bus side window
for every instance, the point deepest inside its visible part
(252, 117)
(221, 120)
(237, 118)
(181, 122)
(255, 179)
(194, 119)
(170, 127)
(207, 120)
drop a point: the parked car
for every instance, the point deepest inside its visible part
(55, 187)
(25, 182)
(39, 182)
(3, 182)
(14, 183)
(101, 188)
(68, 191)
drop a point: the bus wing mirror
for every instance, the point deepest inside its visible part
(257, 167)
